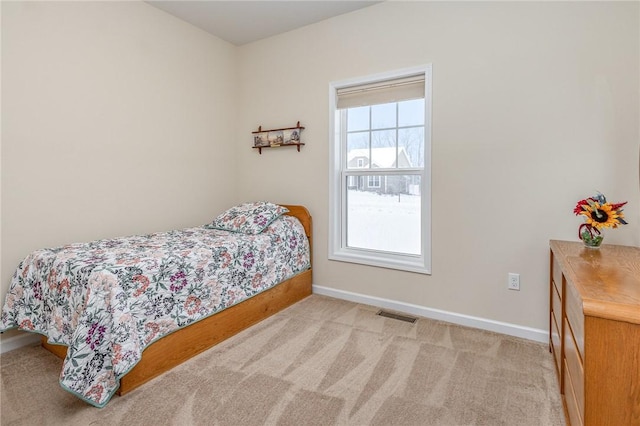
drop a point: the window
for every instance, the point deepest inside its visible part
(374, 181)
(380, 170)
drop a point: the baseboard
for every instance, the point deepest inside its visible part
(528, 333)
(14, 342)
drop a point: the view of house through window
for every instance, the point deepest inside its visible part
(381, 149)
(383, 209)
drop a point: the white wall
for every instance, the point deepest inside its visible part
(535, 106)
(117, 119)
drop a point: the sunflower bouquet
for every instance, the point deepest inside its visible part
(598, 214)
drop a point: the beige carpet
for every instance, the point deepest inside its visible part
(321, 362)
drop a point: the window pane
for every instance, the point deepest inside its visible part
(357, 119)
(383, 116)
(386, 217)
(383, 148)
(411, 113)
(357, 150)
(411, 143)
(373, 182)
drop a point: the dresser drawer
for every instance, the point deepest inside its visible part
(556, 274)
(570, 399)
(556, 306)
(575, 368)
(555, 345)
(575, 315)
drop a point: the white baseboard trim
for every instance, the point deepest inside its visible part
(528, 333)
(14, 342)
(537, 335)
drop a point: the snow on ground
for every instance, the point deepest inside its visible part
(383, 222)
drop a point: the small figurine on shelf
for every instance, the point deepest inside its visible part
(275, 138)
(291, 136)
(260, 139)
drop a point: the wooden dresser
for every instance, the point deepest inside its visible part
(595, 332)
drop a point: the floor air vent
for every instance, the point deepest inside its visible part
(397, 316)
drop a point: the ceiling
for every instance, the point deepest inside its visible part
(240, 21)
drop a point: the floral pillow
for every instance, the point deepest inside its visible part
(248, 218)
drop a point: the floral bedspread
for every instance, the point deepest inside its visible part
(108, 300)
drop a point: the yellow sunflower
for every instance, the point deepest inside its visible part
(601, 215)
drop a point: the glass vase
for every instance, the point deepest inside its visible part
(592, 241)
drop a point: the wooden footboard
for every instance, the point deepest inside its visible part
(187, 342)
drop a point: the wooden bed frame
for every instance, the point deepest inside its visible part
(187, 342)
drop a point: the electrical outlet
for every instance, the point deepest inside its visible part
(514, 281)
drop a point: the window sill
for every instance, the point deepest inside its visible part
(382, 260)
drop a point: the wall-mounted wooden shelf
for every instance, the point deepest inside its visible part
(277, 138)
(259, 148)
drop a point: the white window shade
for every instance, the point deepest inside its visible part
(382, 92)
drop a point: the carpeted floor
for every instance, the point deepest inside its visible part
(320, 362)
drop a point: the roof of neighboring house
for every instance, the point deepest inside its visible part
(383, 157)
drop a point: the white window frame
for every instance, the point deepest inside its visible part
(338, 249)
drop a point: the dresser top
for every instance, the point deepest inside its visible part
(608, 278)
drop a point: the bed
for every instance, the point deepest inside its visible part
(123, 311)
